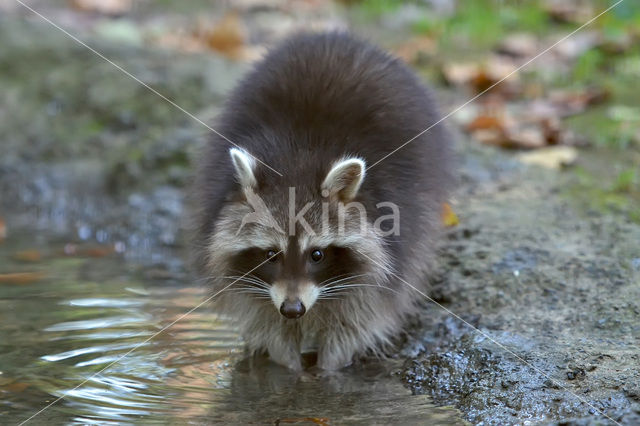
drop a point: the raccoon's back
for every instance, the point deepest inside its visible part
(318, 97)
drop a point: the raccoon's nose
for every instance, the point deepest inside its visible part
(292, 308)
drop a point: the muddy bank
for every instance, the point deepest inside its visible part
(557, 287)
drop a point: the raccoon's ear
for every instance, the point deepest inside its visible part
(344, 179)
(244, 165)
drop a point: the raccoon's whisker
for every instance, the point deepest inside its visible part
(244, 273)
(247, 289)
(340, 288)
(259, 281)
(332, 278)
(252, 283)
(248, 279)
(332, 283)
(245, 277)
(347, 286)
(255, 295)
(320, 284)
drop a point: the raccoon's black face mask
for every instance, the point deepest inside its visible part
(296, 279)
(297, 267)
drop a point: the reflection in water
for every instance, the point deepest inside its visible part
(56, 333)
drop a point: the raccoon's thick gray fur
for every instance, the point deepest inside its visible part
(321, 109)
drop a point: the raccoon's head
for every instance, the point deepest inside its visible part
(297, 246)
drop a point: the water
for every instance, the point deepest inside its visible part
(70, 315)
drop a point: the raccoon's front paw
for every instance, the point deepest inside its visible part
(294, 365)
(332, 361)
(286, 356)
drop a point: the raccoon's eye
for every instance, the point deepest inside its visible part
(271, 255)
(317, 255)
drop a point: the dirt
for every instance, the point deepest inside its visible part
(552, 293)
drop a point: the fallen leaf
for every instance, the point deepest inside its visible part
(483, 76)
(411, 50)
(554, 134)
(71, 249)
(459, 73)
(555, 157)
(494, 137)
(484, 122)
(449, 217)
(573, 102)
(579, 43)
(496, 68)
(21, 277)
(519, 45)
(16, 387)
(228, 36)
(573, 11)
(3, 230)
(97, 251)
(28, 256)
(105, 7)
(529, 138)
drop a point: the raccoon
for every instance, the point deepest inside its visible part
(292, 221)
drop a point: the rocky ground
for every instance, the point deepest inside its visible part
(556, 285)
(552, 294)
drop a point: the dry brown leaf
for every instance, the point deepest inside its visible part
(71, 249)
(28, 256)
(16, 387)
(495, 137)
(484, 122)
(579, 43)
(459, 74)
(483, 76)
(528, 138)
(555, 157)
(520, 45)
(449, 217)
(106, 7)
(552, 129)
(574, 11)
(411, 50)
(97, 251)
(3, 230)
(494, 70)
(21, 277)
(512, 137)
(570, 103)
(228, 36)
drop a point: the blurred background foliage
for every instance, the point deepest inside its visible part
(577, 103)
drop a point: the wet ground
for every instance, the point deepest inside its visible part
(92, 170)
(555, 294)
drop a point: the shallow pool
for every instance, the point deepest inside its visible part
(81, 341)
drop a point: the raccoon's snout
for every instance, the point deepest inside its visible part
(292, 309)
